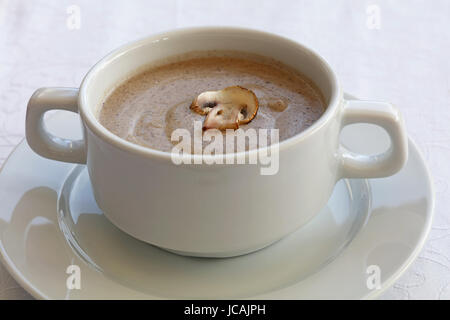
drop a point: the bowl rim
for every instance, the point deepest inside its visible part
(91, 121)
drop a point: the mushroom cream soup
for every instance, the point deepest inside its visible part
(220, 90)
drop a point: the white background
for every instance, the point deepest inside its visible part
(397, 50)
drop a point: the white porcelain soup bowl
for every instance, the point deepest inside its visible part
(213, 210)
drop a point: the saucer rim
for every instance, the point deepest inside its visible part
(4, 258)
(421, 243)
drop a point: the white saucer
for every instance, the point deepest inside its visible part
(49, 220)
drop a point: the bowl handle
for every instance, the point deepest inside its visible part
(39, 138)
(385, 115)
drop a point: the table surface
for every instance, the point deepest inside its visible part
(396, 51)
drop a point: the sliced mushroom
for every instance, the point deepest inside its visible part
(204, 102)
(227, 108)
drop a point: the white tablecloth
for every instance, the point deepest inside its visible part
(398, 51)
